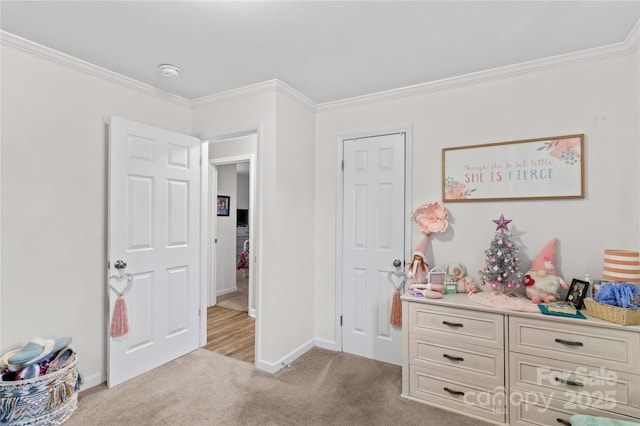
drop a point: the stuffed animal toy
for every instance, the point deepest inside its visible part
(465, 284)
(542, 282)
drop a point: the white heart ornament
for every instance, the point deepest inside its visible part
(397, 279)
(120, 283)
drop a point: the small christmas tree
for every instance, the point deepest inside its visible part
(501, 269)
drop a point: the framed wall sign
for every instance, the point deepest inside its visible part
(544, 168)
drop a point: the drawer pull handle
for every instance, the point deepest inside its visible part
(452, 324)
(563, 422)
(452, 392)
(568, 382)
(453, 358)
(569, 343)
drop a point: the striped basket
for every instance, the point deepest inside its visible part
(44, 400)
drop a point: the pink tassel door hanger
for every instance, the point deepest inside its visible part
(120, 319)
(396, 304)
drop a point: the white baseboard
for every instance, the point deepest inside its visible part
(226, 291)
(274, 367)
(327, 344)
(295, 354)
(91, 380)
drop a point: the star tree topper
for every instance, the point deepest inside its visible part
(502, 223)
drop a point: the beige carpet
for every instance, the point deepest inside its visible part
(205, 388)
(238, 300)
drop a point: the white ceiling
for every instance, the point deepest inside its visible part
(328, 50)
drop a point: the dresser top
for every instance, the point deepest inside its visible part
(462, 301)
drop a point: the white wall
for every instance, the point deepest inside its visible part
(590, 96)
(294, 209)
(54, 189)
(243, 191)
(226, 232)
(285, 151)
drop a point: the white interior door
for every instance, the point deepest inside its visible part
(154, 226)
(373, 237)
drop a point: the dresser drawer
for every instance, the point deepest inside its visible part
(584, 344)
(536, 411)
(587, 385)
(474, 364)
(442, 324)
(481, 401)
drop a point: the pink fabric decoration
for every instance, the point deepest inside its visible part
(431, 217)
(120, 320)
(499, 300)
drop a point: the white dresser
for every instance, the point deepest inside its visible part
(515, 367)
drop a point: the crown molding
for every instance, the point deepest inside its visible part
(274, 86)
(633, 39)
(295, 95)
(27, 46)
(252, 89)
(628, 46)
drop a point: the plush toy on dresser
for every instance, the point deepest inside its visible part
(464, 283)
(542, 282)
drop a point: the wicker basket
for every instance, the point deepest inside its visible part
(611, 313)
(44, 400)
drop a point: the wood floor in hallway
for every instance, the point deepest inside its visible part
(231, 333)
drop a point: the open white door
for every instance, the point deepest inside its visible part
(154, 226)
(373, 237)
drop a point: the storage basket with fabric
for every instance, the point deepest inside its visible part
(45, 400)
(622, 316)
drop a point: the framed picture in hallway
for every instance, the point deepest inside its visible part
(223, 205)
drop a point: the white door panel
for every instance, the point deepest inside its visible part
(373, 237)
(154, 226)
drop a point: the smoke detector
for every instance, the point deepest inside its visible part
(169, 70)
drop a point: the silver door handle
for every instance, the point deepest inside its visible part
(120, 264)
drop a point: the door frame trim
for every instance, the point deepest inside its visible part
(408, 189)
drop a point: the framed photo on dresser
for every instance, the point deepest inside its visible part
(577, 292)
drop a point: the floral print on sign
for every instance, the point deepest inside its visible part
(567, 150)
(455, 190)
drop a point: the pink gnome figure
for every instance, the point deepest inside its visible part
(430, 218)
(542, 282)
(418, 271)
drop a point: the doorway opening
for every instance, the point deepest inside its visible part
(231, 300)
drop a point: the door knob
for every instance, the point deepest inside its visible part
(120, 264)
(397, 263)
